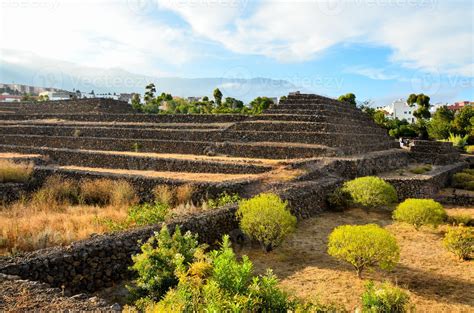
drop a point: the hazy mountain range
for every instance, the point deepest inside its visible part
(69, 76)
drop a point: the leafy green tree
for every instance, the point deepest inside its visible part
(136, 103)
(379, 118)
(349, 98)
(233, 104)
(440, 125)
(463, 120)
(259, 104)
(364, 246)
(422, 113)
(423, 105)
(150, 90)
(218, 96)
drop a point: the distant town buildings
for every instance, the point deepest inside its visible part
(57, 95)
(459, 105)
(5, 97)
(399, 109)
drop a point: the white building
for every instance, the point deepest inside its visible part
(57, 95)
(401, 110)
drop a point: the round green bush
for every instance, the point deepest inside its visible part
(460, 241)
(364, 246)
(418, 212)
(266, 218)
(384, 298)
(370, 192)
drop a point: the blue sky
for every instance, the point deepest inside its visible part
(378, 49)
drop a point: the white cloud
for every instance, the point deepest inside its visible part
(426, 34)
(372, 73)
(93, 33)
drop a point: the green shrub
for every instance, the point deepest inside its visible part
(218, 282)
(364, 246)
(457, 140)
(384, 298)
(223, 199)
(339, 199)
(421, 169)
(462, 179)
(470, 149)
(460, 219)
(370, 192)
(469, 185)
(266, 218)
(469, 171)
(460, 241)
(156, 264)
(418, 212)
(147, 214)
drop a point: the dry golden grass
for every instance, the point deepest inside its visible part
(107, 192)
(164, 194)
(23, 227)
(184, 193)
(11, 172)
(181, 176)
(436, 280)
(57, 214)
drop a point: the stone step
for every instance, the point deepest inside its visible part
(323, 138)
(310, 105)
(142, 161)
(115, 124)
(275, 150)
(330, 113)
(266, 125)
(136, 117)
(314, 118)
(115, 132)
(265, 150)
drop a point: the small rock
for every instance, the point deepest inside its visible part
(115, 307)
(79, 296)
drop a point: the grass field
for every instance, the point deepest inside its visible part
(436, 280)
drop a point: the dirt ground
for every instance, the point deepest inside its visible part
(436, 280)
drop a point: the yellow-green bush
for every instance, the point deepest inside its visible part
(384, 298)
(364, 246)
(11, 172)
(470, 149)
(464, 179)
(266, 218)
(370, 192)
(421, 169)
(460, 241)
(418, 212)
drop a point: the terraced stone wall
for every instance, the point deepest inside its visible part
(132, 117)
(425, 186)
(144, 186)
(101, 261)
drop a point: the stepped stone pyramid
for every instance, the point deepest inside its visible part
(309, 125)
(106, 138)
